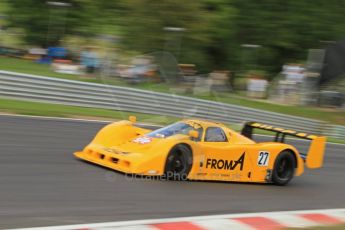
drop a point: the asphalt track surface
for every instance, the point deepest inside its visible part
(42, 184)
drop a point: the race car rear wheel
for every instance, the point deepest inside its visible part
(284, 168)
(179, 163)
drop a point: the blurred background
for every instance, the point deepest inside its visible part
(244, 52)
(276, 62)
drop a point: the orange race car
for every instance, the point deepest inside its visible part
(202, 150)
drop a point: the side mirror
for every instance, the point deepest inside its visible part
(193, 133)
(132, 119)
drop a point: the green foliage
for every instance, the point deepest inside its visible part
(214, 29)
(286, 30)
(148, 27)
(46, 24)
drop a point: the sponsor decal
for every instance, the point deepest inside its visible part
(110, 150)
(225, 164)
(201, 174)
(230, 176)
(115, 151)
(142, 140)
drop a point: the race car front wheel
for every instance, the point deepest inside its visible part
(179, 163)
(284, 168)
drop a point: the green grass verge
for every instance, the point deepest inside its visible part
(56, 110)
(334, 140)
(330, 227)
(327, 115)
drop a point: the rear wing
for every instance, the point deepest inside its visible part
(314, 157)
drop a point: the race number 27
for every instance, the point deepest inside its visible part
(263, 158)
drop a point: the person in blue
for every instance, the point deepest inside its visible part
(89, 59)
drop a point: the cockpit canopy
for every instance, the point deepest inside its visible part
(212, 134)
(176, 128)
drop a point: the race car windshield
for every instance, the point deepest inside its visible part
(176, 128)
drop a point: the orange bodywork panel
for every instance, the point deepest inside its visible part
(316, 152)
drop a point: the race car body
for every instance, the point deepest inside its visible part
(202, 150)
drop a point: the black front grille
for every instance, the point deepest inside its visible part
(114, 160)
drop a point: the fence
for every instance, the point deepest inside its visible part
(68, 92)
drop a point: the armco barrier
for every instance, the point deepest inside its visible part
(336, 131)
(55, 90)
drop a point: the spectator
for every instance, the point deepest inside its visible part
(89, 59)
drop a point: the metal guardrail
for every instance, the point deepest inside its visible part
(68, 92)
(336, 131)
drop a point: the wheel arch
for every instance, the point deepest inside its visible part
(190, 149)
(187, 145)
(299, 163)
(294, 155)
(282, 173)
(183, 144)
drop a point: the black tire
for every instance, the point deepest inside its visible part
(284, 168)
(178, 163)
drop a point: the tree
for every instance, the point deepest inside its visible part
(149, 25)
(222, 48)
(287, 30)
(46, 23)
(213, 30)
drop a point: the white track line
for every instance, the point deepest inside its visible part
(55, 118)
(221, 224)
(108, 121)
(71, 119)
